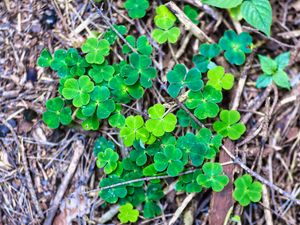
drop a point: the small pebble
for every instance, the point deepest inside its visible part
(29, 114)
(3, 130)
(49, 19)
(31, 75)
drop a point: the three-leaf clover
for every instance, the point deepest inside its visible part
(170, 35)
(128, 214)
(78, 90)
(101, 144)
(59, 63)
(138, 154)
(159, 121)
(117, 119)
(111, 195)
(247, 191)
(136, 8)
(188, 183)
(164, 18)
(235, 46)
(140, 66)
(205, 102)
(45, 59)
(56, 113)
(191, 13)
(96, 50)
(99, 103)
(169, 159)
(142, 45)
(107, 160)
(76, 63)
(213, 177)
(228, 125)
(218, 79)
(111, 36)
(101, 73)
(134, 129)
(274, 71)
(179, 78)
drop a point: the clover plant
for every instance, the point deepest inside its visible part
(165, 138)
(274, 71)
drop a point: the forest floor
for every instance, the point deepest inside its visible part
(32, 152)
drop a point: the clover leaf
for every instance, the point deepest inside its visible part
(59, 63)
(45, 59)
(151, 210)
(56, 113)
(228, 125)
(170, 35)
(138, 154)
(96, 50)
(111, 195)
(78, 90)
(107, 160)
(188, 183)
(180, 78)
(213, 177)
(159, 123)
(111, 36)
(205, 102)
(117, 119)
(218, 79)
(212, 142)
(132, 172)
(235, 46)
(101, 144)
(128, 214)
(75, 61)
(136, 8)
(169, 159)
(247, 191)
(99, 103)
(88, 123)
(134, 129)
(274, 71)
(139, 68)
(101, 72)
(185, 120)
(142, 45)
(192, 148)
(153, 193)
(191, 13)
(164, 18)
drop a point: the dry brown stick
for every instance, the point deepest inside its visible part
(26, 170)
(78, 149)
(189, 25)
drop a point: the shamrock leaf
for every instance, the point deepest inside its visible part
(100, 103)
(191, 13)
(76, 63)
(247, 191)
(169, 159)
(180, 78)
(107, 160)
(188, 183)
(133, 172)
(151, 210)
(78, 90)
(45, 59)
(205, 102)
(142, 45)
(154, 192)
(117, 119)
(56, 113)
(102, 72)
(159, 123)
(88, 123)
(235, 46)
(170, 35)
(274, 71)
(212, 143)
(59, 63)
(111, 195)
(139, 67)
(136, 8)
(101, 144)
(134, 130)
(164, 18)
(192, 148)
(228, 126)
(185, 120)
(138, 155)
(213, 177)
(96, 50)
(218, 79)
(128, 214)
(111, 36)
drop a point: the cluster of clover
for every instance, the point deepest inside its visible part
(95, 90)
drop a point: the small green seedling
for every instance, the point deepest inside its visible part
(56, 113)
(108, 160)
(179, 78)
(128, 214)
(247, 191)
(136, 8)
(228, 126)
(213, 177)
(96, 50)
(274, 71)
(218, 79)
